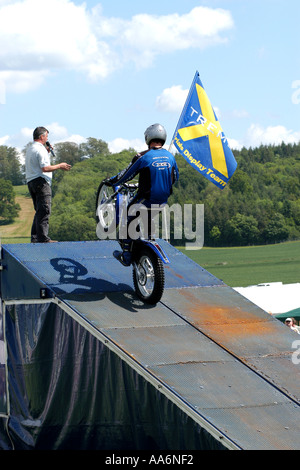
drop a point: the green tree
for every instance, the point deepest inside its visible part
(94, 147)
(71, 226)
(10, 166)
(215, 235)
(276, 230)
(241, 182)
(242, 230)
(68, 152)
(8, 208)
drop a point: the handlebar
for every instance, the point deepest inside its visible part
(119, 187)
(130, 185)
(124, 188)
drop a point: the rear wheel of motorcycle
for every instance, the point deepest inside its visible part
(148, 276)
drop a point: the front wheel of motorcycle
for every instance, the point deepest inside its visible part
(106, 208)
(148, 276)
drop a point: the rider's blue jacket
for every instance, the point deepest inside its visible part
(158, 171)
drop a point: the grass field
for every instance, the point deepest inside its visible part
(245, 266)
(19, 231)
(237, 267)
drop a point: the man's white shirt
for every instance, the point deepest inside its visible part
(37, 157)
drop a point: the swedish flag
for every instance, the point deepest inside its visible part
(200, 139)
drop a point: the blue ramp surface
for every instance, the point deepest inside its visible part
(219, 358)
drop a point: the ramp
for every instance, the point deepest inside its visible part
(210, 370)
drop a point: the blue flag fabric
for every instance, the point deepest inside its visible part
(200, 139)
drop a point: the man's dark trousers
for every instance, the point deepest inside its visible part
(41, 195)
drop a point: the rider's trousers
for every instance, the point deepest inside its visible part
(140, 221)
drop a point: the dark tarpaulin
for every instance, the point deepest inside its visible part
(3, 401)
(4, 440)
(67, 390)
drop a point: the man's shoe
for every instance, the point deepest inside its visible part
(123, 256)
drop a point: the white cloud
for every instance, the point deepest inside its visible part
(21, 82)
(240, 113)
(27, 134)
(61, 39)
(4, 140)
(119, 144)
(172, 99)
(75, 138)
(57, 134)
(234, 144)
(66, 36)
(271, 135)
(145, 36)
(257, 135)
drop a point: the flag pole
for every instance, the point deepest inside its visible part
(185, 106)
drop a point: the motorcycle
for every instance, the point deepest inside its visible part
(147, 256)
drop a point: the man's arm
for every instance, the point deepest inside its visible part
(128, 173)
(60, 166)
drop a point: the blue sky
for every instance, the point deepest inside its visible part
(108, 69)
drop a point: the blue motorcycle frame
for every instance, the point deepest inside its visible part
(148, 257)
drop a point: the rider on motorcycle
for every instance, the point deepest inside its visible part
(157, 170)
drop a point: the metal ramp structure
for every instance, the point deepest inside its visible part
(88, 365)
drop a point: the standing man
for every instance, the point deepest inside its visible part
(39, 178)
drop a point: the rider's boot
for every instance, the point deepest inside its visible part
(124, 257)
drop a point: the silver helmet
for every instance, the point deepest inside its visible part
(155, 132)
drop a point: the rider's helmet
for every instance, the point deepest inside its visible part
(155, 132)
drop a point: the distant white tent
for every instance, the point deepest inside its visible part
(273, 297)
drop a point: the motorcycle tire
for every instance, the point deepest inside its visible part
(106, 208)
(148, 276)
